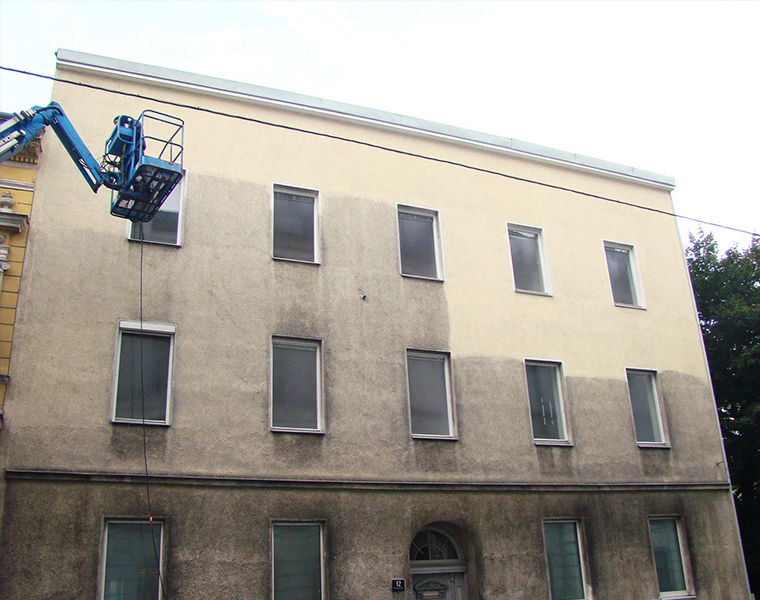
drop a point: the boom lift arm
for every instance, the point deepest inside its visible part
(139, 182)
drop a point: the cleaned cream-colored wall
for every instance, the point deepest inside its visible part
(474, 209)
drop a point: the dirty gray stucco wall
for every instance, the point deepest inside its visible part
(366, 318)
(217, 538)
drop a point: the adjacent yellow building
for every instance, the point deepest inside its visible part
(16, 194)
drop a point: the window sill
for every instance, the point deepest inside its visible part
(313, 263)
(439, 438)
(565, 443)
(677, 596)
(633, 306)
(534, 293)
(294, 430)
(154, 243)
(422, 277)
(139, 422)
(660, 445)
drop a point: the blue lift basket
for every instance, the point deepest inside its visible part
(147, 154)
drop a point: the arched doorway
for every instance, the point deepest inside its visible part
(437, 566)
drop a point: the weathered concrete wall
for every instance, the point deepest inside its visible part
(228, 297)
(217, 539)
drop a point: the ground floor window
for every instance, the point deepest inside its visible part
(132, 555)
(668, 557)
(563, 554)
(297, 568)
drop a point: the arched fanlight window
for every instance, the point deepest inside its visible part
(432, 544)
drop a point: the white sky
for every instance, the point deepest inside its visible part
(671, 87)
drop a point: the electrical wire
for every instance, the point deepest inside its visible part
(377, 147)
(144, 437)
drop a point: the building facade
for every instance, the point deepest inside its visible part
(362, 356)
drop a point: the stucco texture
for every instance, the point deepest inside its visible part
(217, 540)
(227, 297)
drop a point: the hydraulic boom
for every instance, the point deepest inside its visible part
(140, 170)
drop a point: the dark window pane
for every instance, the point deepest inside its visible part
(297, 562)
(619, 266)
(417, 236)
(131, 563)
(294, 226)
(427, 394)
(545, 409)
(164, 226)
(526, 261)
(432, 545)
(563, 555)
(643, 401)
(294, 385)
(667, 555)
(152, 382)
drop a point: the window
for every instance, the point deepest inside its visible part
(545, 397)
(528, 263)
(563, 555)
(142, 391)
(646, 412)
(296, 384)
(667, 546)
(430, 544)
(132, 554)
(429, 394)
(295, 221)
(419, 242)
(624, 275)
(437, 565)
(166, 225)
(297, 567)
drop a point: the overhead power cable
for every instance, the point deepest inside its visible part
(377, 147)
(144, 438)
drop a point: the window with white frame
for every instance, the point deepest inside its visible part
(624, 275)
(142, 391)
(430, 404)
(132, 552)
(646, 411)
(297, 561)
(668, 545)
(420, 243)
(295, 224)
(296, 384)
(545, 396)
(166, 225)
(528, 262)
(565, 560)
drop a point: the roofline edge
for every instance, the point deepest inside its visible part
(81, 61)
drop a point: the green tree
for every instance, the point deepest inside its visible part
(727, 291)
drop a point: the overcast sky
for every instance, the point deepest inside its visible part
(667, 87)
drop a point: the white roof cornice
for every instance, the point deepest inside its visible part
(171, 78)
